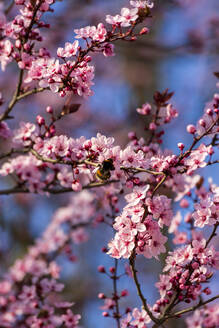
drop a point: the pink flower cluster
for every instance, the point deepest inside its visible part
(41, 161)
(136, 229)
(207, 209)
(164, 115)
(37, 174)
(74, 75)
(125, 19)
(138, 318)
(197, 158)
(29, 292)
(188, 267)
(207, 317)
(210, 116)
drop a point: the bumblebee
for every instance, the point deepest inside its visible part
(103, 173)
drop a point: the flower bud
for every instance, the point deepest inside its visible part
(181, 146)
(202, 123)
(40, 120)
(49, 109)
(101, 269)
(144, 30)
(209, 111)
(191, 129)
(112, 269)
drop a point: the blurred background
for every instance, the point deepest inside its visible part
(180, 53)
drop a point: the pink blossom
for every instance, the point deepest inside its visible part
(69, 50)
(164, 285)
(142, 4)
(145, 109)
(140, 318)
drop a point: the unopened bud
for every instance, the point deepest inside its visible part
(144, 30)
(191, 129)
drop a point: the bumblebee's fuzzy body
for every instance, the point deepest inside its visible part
(103, 173)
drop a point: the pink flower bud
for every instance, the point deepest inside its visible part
(105, 314)
(124, 293)
(181, 146)
(101, 296)
(112, 269)
(156, 308)
(144, 30)
(128, 310)
(202, 123)
(152, 126)
(191, 129)
(207, 291)
(132, 135)
(40, 120)
(101, 269)
(49, 109)
(88, 59)
(209, 111)
(18, 44)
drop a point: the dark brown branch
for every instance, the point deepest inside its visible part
(20, 190)
(213, 234)
(193, 308)
(8, 9)
(138, 286)
(13, 101)
(115, 294)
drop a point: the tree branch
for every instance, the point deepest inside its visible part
(138, 286)
(192, 308)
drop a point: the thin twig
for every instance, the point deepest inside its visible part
(20, 190)
(138, 286)
(192, 308)
(115, 293)
(213, 234)
(13, 101)
(8, 9)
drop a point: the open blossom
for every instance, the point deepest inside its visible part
(142, 4)
(140, 318)
(160, 208)
(145, 109)
(25, 134)
(133, 230)
(164, 285)
(95, 33)
(125, 19)
(69, 50)
(207, 317)
(197, 158)
(206, 211)
(71, 320)
(6, 48)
